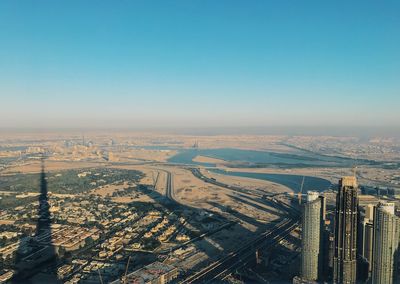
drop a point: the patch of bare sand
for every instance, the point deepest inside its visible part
(161, 182)
(153, 175)
(135, 196)
(206, 159)
(64, 195)
(190, 190)
(144, 155)
(7, 222)
(128, 199)
(109, 189)
(248, 183)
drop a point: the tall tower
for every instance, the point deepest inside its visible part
(311, 233)
(386, 243)
(345, 257)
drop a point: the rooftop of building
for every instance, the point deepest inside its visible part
(350, 181)
(148, 273)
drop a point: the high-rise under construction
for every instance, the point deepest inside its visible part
(346, 216)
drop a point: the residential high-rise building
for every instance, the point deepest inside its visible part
(369, 211)
(331, 254)
(323, 268)
(311, 236)
(323, 208)
(366, 237)
(386, 244)
(346, 216)
(367, 226)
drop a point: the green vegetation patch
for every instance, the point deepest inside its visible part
(69, 181)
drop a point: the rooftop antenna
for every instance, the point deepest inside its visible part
(354, 169)
(301, 190)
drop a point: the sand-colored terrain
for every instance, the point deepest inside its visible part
(143, 155)
(7, 222)
(109, 189)
(248, 183)
(161, 182)
(139, 139)
(128, 199)
(247, 207)
(194, 192)
(150, 172)
(249, 211)
(206, 159)
(8, 154)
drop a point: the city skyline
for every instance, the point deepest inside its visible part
(106, 207)
(199, 142)
(200, 64)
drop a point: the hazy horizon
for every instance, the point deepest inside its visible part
(348, 131)
(200, 64)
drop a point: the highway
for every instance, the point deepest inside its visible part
(242, 256)
(170, 187)
(292, 211)
(170, 195)
(245, 253)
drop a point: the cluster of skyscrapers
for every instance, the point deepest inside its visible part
(362, 246)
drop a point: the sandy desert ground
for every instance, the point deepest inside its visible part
(249, 183)
(210, 160)
(140, 155)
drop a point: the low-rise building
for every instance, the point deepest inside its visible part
(155, 273)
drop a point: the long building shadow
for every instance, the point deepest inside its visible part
(211, 242)
(37, 253)
(245, 200)
(236, 214)
(396, 265)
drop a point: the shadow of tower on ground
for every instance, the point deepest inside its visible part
(36, 253)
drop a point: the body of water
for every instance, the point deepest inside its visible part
(291, 181)
(258, 158)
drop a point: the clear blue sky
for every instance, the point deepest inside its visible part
(199, 63)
